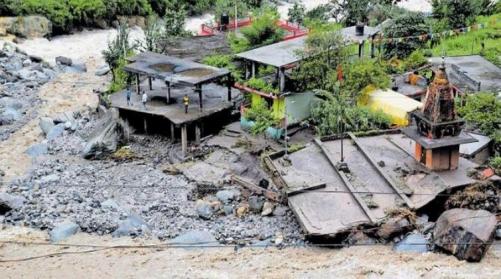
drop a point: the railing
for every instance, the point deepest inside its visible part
(294, 29)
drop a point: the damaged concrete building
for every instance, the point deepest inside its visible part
(340, 183)
(171, 84)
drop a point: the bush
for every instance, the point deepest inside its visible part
(329, 113)
(415, 60)
(263, 30)
(409, 24)
(296, 13)
(483, 111)
(224, 61)
(262, 116)
(363, 73)
(261, 85)
(319, 13)
(495, 163)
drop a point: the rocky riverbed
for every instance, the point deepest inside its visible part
(20, 78)
(133, 196)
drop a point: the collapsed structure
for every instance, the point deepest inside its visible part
(336, 184)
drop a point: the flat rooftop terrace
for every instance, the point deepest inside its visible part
(471, 69)
(214, 101)
(172, 69)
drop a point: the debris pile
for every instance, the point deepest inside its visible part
(20, 78)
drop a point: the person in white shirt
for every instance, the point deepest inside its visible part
(144, 99)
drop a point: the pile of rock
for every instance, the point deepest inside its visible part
(20, 78)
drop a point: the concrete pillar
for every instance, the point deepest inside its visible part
(198, 89)
(253, 69)
(138, 86)
(145, 125)
(373, 48)
(150, 83)
(282, 79)
(168, 92)
(184, 140)
(247, 72)
(172, 132)
(230, 81)
(198, 133)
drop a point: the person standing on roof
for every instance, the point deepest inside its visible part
(128, 93)
(144, 99)
(186, 102)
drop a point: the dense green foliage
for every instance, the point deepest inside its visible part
(118, 50)
(483, 111)
(471, 42)
(495, 163)
(228, 6)
(408, 24)
(262, 116)
(224, 61)
(261, 85)
(324, 52)
(461, 13)
(361, 74)
(415, 60)
(296, 13)
(262, 31)
(335, 115)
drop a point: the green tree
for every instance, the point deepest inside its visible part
(174, 20)
(296, 13)
(118, 49)
(262, 31)
(325, 50)
(228, 6)
(404, 26)
(458, 13)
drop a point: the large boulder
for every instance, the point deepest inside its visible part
(5, 24)
(63, 231)
(105, 139)
(46, 124)
(132, 226)
(9, 202)
(465, 233)
(31, 27)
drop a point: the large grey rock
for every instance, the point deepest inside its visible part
(132, 226)
(267, 208)
(64, 117)
(412, 243)
(9, 202)
(465, 233)
(56, 132)
(37, 149)
(197, 238)
(31, 27)
(46, 124)
(62, 60)
(394, 226)
(225, 196)
(5, 24)
(63, 231)
(256, 203)
(9, 116)
(103, 70)
(204, 209)
(105, 138)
